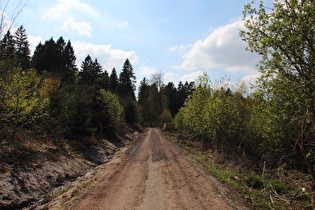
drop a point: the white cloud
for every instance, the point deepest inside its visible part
(171, 77)
(82, 27)
(34, 41)
(181, 48)
(107, 57)
(222, 48)
(65, 11)
(191, 77)
(148, 71)
(123, 25)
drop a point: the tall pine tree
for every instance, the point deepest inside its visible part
(57, 58)
(22, 47)
(69, 63)
(127, 80)
(113, 81)
(7, 47)
(90, 71)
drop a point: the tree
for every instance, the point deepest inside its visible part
(113, 81)
(127, 80)
(91, 71)
(22, 48)
(170, 93)
(143, 91)
(285, 38)
(183, 91)
(7, 47)
(104, 80)
(57, 58)
(37, 57)
(69, 63)
(47, 57)
(158, 80)
(18, 98)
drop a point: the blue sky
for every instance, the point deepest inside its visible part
(179, 38)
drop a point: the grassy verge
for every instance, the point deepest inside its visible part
(268, 190)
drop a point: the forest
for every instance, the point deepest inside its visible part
(47, 94)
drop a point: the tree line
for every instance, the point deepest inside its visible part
(46, 93)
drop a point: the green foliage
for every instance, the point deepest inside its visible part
(285, 38)
(19, 97)
(166, 116)
(158, 102)
(22, 48)
(130, 110)
(57, 58)
(217, 118)
(115, 108)
(91, 71)
(77, 112)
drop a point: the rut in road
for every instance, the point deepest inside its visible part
(155, 174)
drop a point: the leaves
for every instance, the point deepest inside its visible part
(19, 96)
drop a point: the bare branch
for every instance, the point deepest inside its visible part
(8, 18)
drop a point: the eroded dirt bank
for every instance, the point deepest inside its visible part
(37, 174)
(153, 174)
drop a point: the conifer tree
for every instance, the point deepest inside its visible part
(143, 91)
(7, 47)
(170, 93)
(91, 71)
(113, 81)
(127, 80)
(104, 80)
(22, 48)
(69, 63)
(37, 58)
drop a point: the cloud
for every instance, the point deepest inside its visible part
(191, 77)
(34, 41)
(180, 48)
(65, 11)
(82, 27)
(109, 58)
(171, 77)
(148, 71)
(123, 25)
(222, 48)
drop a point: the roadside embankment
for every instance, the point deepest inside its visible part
(29, 175)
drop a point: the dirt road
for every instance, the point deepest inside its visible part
(153, 174)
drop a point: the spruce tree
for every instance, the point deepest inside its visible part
(127, 80)
(22, 48)
(113, 81)
(69, 63)
(91, 71)
(104, 80)
(36, 60)
(7, 47)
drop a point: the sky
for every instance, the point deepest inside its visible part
(181, 39)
